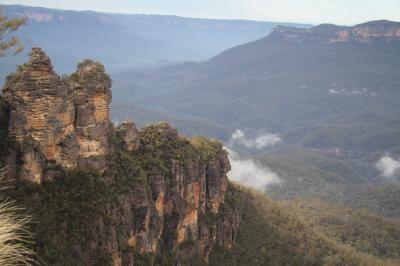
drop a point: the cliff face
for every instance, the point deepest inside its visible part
(41, 117)
(364, 33)
(144, 196)
(56, 123)
(128, 132)
(91, 97)
(179, 212)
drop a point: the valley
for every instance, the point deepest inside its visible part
(185, 141)
(334, 105)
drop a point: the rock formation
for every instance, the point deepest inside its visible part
(179, 210)
(363, 33)
(128, 132)
(41, 117)
(155, 194)
(56, 123)
(91, 88)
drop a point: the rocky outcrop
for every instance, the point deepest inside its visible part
(364, 33)
(180, 209)
(155, 197)
(91, 91)
(57, 123)
(41, 117)
(128, 132)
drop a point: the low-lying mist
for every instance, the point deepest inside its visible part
(259, 141)
(388, 166)
(249, 172)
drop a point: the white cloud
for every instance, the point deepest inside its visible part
(388, 166)
(261, 140)
(250, 172)
(363, 92)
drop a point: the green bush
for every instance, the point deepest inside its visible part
(63, 211)
(124, 168)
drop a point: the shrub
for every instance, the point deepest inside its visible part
(14, 234)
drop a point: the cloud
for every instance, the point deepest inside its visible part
(363, 92)
(250, 172)
(388, 166)
(261, 140)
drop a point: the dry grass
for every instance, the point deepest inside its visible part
(14, 236)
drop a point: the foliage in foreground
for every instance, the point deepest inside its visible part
(7, 27)
(14, 234)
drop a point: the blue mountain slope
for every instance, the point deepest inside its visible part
(123, 41)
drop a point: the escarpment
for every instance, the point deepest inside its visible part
(381, 30)
(177, 217)
(58, 122)
(105, 195)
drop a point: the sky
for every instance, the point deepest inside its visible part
(343, 12)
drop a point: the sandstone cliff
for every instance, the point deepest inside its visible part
(363, 33)
(55, 122)
(111, 196)
(179, 212)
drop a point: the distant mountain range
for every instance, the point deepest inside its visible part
(382, 30)
(313, 112)
(127, 41)
(289, 79)
(329, 94)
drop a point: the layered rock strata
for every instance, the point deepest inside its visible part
(58, 123)
(155, 195)
(180, 210)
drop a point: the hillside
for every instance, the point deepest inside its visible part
(343, 181)
(104, 194)
(330, 93)
(308, 116)
(275, 233)
(277, 84)
(364, 231)
(126, 42)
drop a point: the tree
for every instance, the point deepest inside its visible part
(9, 42)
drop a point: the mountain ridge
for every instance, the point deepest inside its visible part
(146, 14)
(378, 30)
(126, 41)
(330, 103)
(122, 196)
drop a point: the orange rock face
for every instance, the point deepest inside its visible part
(64, 123)
(57, 122)
(91, 89)
(42, 115)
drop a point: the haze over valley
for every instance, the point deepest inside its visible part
(140, 139)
